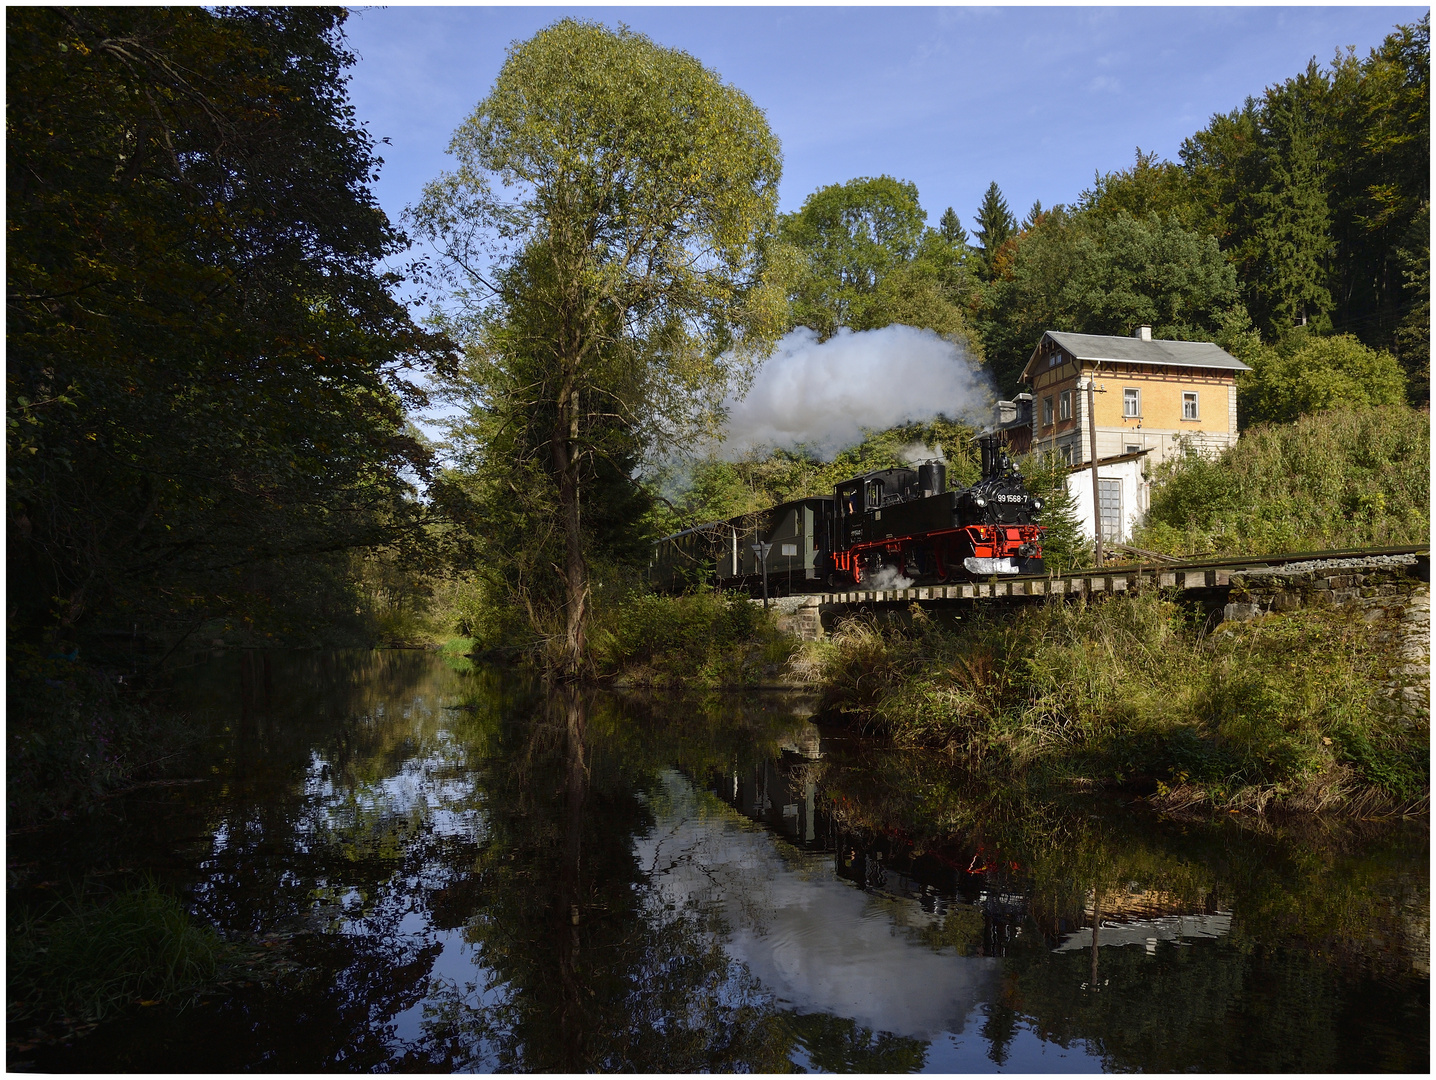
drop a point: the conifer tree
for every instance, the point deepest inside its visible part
(995, 223)
(950, 226)
(1291, 233)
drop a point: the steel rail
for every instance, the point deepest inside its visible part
(1275, 559)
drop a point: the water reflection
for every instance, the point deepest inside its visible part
(479, 875)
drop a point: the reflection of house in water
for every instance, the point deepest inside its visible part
(782, 794)
(1148, 932)
(1144, 917)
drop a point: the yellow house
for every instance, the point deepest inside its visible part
(1150, 395)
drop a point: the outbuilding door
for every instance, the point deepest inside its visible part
(1109, 494)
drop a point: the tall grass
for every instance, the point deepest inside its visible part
(87, 958)
(1344, 478)
(1130, 691)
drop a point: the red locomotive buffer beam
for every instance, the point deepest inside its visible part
(978, 550)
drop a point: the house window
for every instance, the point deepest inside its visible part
(1189, 405)
(1064, 405)
(1067, 454)
(1047, 412)
(1133, 448)
(1131, 402)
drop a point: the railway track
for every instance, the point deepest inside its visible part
(1186, 576)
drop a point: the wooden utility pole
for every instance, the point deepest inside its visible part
(1096, 488)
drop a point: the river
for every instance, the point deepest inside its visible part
(462, 872)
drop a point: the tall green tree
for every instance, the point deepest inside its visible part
(950, 226)
(866, 260)
(995, 224)
(1313, 187)
(630, 194)
(1149, 186)
(206, 372)
(1379, 147)
(853, 235)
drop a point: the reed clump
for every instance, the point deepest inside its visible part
(85, 958)
(1133, 691)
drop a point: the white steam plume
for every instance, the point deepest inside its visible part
(822, 395)
(887, 577)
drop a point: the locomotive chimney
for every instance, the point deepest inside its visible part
(932, 478)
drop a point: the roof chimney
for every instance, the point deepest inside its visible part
(1144, 332)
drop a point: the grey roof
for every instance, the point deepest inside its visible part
(1133, 350)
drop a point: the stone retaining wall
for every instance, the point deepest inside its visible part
(1325, 582)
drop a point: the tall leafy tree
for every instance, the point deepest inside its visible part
(1149, 186)
(853, 235)
(205, 381)
(1379, 149)
(1313, 187)
(630, 195)
(867, 261)
(1285, 244)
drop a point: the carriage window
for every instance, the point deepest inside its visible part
(875, 494)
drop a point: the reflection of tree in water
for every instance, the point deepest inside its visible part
(590, 970)
(355, 801)
(837, 1044)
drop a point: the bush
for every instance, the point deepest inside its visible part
(1346, 478)
(702, 637)
(1309, 374)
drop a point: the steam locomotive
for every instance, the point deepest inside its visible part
(890, 528)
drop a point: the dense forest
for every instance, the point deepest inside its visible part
(210, 378)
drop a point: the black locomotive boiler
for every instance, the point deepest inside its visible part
(875, 529)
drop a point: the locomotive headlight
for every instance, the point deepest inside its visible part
(980, 501)
(1037, 504)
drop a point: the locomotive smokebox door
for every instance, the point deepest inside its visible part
(932, 478)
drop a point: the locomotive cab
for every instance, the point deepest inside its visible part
(855, 499)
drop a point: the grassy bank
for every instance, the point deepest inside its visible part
(1130, 691)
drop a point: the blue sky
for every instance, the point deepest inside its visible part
(948, 98)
